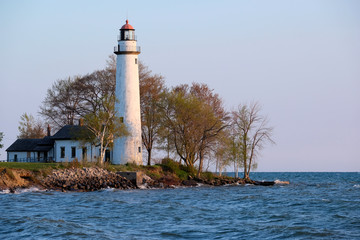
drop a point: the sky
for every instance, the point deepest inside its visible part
(300, 59)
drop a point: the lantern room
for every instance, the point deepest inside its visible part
(127, 32)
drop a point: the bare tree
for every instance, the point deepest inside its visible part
(1, 138)
(61, 104)
(252, 134)
(151, 91)
(29, 127)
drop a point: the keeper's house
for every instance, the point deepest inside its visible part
(64, 146)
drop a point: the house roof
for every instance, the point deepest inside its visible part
(69, 132)
(23, 145)
(39, 148)
(46, 141)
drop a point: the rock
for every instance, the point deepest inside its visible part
(189, 183)
(85, 179)
(264, 183)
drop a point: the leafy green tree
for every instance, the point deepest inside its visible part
(104, 125)
(29, 127)
(252, 133)
(181, 113)
(193, 117)
(214, 120)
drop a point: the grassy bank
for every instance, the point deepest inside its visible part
(31, 166)
(168, 168)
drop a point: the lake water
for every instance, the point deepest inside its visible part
(313, 206)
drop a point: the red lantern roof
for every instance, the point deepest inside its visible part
(127, 26)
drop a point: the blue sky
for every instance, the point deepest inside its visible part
(299, 59)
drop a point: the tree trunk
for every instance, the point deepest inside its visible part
(200, 164)
(236, 170)
(216, 165)
(149, 157)
(220, 170)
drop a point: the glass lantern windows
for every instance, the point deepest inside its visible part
(127, 35)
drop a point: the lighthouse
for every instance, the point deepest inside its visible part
(128, 149)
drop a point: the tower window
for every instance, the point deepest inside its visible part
(139, 149)
(135, 60)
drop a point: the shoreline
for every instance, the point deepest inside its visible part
(87, 179)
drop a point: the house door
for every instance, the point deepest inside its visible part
(84, 153)
(15, 158)
(107, 156)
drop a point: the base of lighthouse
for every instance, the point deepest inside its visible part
(127, 150)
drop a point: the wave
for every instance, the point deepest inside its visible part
(27, 190)
(277, 181)
(22, 190)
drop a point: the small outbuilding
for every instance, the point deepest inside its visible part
(65, 145)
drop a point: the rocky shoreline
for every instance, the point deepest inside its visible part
(95, 178)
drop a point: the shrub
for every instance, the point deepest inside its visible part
(190, 170)
(74, 164)
(208, 175)
(183, 175)
(170, 165)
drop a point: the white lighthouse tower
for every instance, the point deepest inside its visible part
(128, 149)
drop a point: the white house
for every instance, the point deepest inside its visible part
(64, 146)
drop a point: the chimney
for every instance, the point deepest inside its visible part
(48, 130)
(81, 122)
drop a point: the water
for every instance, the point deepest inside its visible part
(313, 206)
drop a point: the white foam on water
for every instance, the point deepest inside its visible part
(26, 190)
(108, 189)
(5, 191)
(143, 186)
(277, 181)
(357, 186)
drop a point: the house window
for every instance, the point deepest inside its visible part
(62, 152)
(135, 60)
(139, 149)
(73, 152)
(28, 154)
(15, 158)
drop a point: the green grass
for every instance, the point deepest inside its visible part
(31, 166)
(168, 166)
